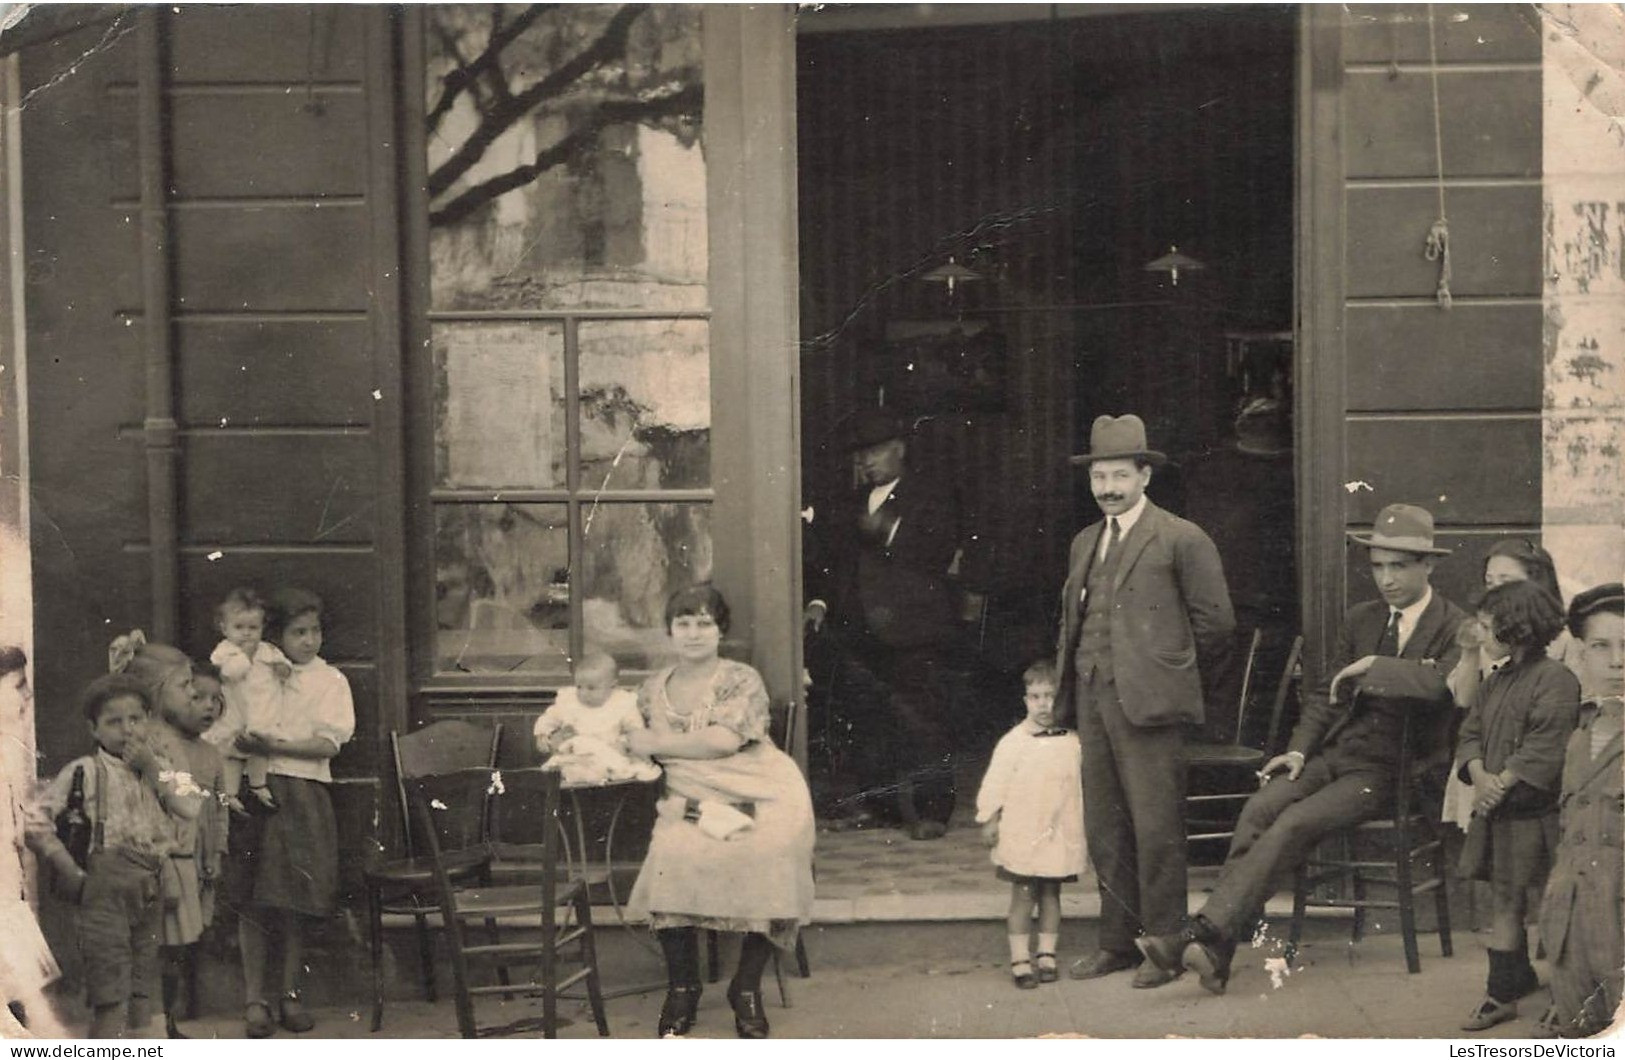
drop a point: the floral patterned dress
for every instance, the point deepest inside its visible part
(758, 879)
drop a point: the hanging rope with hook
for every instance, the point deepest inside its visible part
(1438, 241)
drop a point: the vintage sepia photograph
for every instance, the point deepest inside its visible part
(827, 521)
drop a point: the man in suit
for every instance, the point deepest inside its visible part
(1392, 659)
(885, 585)
(1145, 601)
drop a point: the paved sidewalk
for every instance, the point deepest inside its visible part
(958, 986)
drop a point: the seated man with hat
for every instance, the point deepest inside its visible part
(1392, 659)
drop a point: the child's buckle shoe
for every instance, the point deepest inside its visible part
(1488, 1013)
(1022, 973)
(1046, 968)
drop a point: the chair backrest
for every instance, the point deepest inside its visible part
(1291, 675)
(452, 809)
(781, 727)
(525, 829)
(1247, 683)
(441, 747)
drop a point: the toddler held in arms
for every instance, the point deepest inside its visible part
(584, 732)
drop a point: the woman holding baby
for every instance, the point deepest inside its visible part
(733, 837)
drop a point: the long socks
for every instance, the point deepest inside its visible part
(1047, 941)
(1020, 958)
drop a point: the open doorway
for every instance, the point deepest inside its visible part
(979, 205)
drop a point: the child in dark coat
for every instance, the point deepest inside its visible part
(1511, 747)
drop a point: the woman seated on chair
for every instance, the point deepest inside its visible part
(733, 836)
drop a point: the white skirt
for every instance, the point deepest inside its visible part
(26, 964)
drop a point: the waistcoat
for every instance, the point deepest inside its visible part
(1093, 658)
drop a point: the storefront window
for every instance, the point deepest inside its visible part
(569, 330)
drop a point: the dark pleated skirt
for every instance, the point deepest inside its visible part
(290, 859)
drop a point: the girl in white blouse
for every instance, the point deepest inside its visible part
(288, 863)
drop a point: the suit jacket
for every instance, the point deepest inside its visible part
(1584, 888)
(1173, 607)
(898, 592)
(1415, 679)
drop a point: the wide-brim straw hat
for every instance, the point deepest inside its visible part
(1402, 528)
(1119, 438)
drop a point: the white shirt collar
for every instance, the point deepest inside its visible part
(1125, 523)
(878, 495)
(1409, 616)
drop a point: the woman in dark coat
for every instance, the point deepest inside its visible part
(1511, 747)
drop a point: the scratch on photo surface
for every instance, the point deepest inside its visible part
(114, 32)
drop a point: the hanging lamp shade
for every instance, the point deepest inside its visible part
(951, 275)
(1173, 263)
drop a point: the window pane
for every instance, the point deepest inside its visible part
(645, 404)
(589, 192)
(499, 405)
(636, 555)
(502, 588)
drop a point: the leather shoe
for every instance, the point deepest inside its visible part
(291, 1014)
(1149, 975)
(1022, 973)
(679, 1011)
(1163, 951)
(1044, 967)
(1488, 1013)
(750, 1019)
(927, 830)
(1099, 963)
(1211, 963)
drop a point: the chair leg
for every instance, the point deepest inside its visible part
(426, 956)
(1441, 912)
(778, 973)
(550, 982)
(1407, 896)
(1300, 908)
(1358, 883)
(802, 967)
(375, 946)
(589, 957)
(712, 960)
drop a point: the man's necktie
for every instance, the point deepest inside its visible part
(1112, 540)
(1389, 644)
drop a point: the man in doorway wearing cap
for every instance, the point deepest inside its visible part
(1338, 770)
(885, 584)
(1145, 601)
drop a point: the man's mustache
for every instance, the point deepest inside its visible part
(1109, 496)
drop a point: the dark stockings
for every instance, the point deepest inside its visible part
(754, 953)
(682, 949)
(176, 961)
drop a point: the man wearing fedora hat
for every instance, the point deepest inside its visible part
(1392, 659)
(886, 583)
(1145, 601)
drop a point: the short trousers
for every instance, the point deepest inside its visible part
(120, 917)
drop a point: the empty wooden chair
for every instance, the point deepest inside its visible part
(547, 919)
(405, 886)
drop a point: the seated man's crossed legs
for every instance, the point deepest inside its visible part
(1276, 832)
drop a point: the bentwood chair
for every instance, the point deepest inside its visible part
(550, 912)
(405, 886)
(1404, 853)
(1232, 767)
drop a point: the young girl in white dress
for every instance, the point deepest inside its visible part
(1030, 808)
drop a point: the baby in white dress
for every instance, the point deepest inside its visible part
(583, 734)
